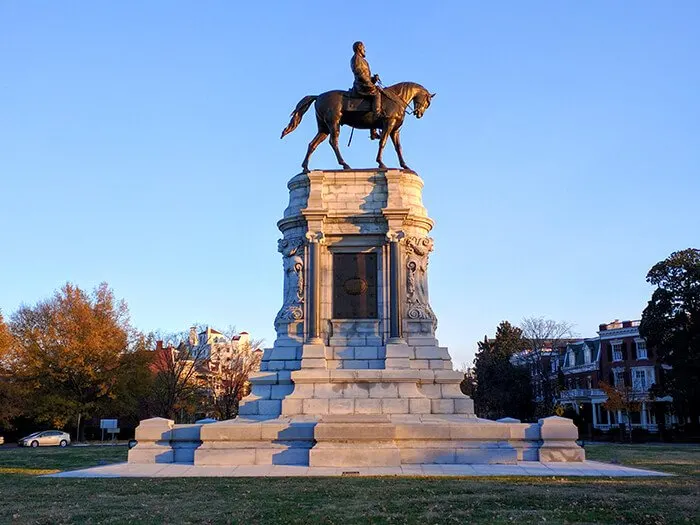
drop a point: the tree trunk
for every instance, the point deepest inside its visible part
(77, 431)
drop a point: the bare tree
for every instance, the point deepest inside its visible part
(544, 337)
(228, 377)
(177, 365)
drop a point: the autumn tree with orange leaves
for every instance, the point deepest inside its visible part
(11, 396)
(69, 353)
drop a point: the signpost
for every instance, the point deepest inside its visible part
(109, 425)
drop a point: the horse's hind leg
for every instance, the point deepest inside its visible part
(335, 132)
(320, 137)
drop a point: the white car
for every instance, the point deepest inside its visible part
(46, 438)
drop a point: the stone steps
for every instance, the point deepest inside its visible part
(363, 392)
(356, 441)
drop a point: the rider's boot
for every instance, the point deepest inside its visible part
(377, 105)
(377, 110)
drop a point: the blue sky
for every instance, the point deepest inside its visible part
(139, 145)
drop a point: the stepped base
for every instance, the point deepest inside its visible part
(356, 441)
(320, 392)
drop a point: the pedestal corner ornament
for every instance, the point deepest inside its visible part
(293, 264)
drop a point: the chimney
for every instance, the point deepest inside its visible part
(193, 336)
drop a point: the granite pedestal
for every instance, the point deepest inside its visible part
(356, 376)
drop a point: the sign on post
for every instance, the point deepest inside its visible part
(110, 425)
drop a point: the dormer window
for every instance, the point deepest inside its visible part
(641, 349)
(570, 358)
(586, 354)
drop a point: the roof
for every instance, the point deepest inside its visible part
(577, 350)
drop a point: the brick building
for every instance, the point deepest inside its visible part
(619, 357)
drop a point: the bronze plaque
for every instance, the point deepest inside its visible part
(354, 285)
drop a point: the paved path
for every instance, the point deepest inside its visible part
(523, 468)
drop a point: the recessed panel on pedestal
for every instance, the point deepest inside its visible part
(355, 286)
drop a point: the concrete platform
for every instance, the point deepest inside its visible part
(521, 468)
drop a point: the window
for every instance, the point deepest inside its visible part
(643, 378)
(586, 354)
(554, 364)
(619, 378)
(570, 358)
(641, 349)
(640, 380)
(617, 351)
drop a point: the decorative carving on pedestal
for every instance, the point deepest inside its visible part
(293, 263)
(417, 303)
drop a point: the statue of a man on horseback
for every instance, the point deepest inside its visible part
(335, 108)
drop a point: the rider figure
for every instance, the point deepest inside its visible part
(364, 84)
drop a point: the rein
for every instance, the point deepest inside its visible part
(395, 98)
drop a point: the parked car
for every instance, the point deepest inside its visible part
(46, 438)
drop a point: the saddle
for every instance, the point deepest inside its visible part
(355, 102)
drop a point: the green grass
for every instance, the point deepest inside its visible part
(56, 458)
(31, 499)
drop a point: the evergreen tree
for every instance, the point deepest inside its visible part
(502, 389)
(671, 326)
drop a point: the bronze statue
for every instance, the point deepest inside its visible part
(336, 108)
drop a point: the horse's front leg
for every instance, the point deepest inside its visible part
(335, 132)
(395, 138)
(382, 142)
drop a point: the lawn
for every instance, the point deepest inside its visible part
(26, 498)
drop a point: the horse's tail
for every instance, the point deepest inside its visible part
(298, 113)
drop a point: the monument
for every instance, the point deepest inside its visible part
(356, 376)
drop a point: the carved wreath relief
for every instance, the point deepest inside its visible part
(417, 304)
(293, 264)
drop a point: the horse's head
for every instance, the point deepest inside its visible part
(421, 102)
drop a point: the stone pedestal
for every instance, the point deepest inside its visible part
(356, 376)
(356, 333)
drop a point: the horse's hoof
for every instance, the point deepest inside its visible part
(406, 167)
(382, 166)
(346, 167)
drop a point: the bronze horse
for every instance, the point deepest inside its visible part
(331, 114)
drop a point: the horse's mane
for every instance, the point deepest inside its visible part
(402, 88)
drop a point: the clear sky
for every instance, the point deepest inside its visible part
(139, 145)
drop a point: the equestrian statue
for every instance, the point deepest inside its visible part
(366, 106)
